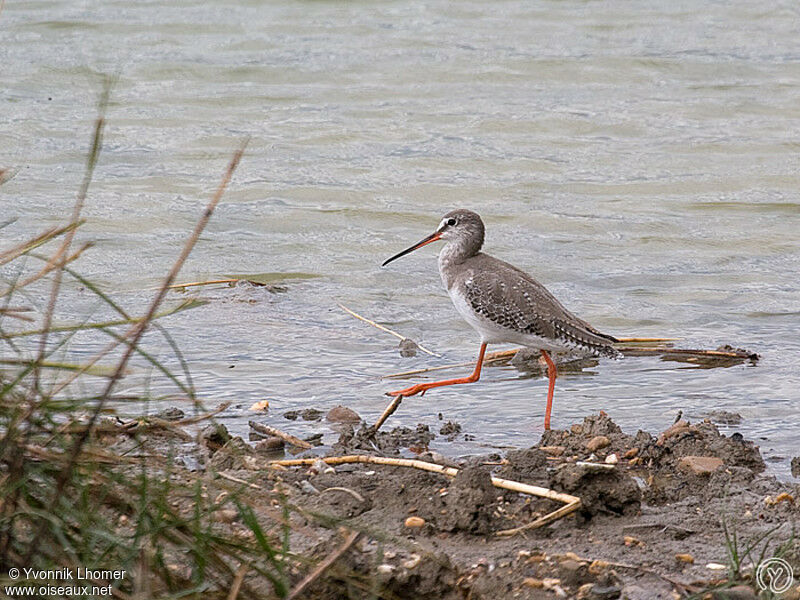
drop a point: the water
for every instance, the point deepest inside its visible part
(641, 160)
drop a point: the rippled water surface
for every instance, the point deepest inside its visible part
(642, 160)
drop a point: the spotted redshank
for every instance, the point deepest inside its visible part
(503, 304)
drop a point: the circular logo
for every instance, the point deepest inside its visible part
(775, 575)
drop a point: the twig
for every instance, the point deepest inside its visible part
(491, 357)
(596, 466)
(573, 503)
(203, 417)
(323, 566)
(627, 350)
(240, 481)
(353, 493)
(12, 253)
(388, 412)
(738, 354)
(643, 340)
(267, 430)
(545, 520)
(237, 581)
(386, 329)
(177, 286)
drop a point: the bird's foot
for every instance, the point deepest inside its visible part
(419, 388)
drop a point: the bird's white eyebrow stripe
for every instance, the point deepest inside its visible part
(442, 224)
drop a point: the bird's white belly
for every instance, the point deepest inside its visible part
(492, 333)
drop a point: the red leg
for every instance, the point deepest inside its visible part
(551, 374)
(423, 387)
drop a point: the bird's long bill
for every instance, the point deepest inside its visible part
(431, 238)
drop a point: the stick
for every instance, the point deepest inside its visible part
(386, 329)
(627, 350)
(388, 412)
(572, 502)
(239, 481)
(267, 430)
(644, 340)
(237, 581)
(545, 520)
(323, 566)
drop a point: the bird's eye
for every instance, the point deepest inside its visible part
(451, 221)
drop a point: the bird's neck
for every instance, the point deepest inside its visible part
(451, 256)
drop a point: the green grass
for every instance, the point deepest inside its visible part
(78, 488)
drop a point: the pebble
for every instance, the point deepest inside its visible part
(676, 429)
(553, 450)
(412, 562)
(700, 465)
(597, 442)
(171, 414)
(270, 444)
(782, 497)
(631, 453)
(227, 515)
(261, 405)
(414, 522)
(215, 435)
(632, 541)
(385, 569)
(612, 459)
(737, 592)
(408, 348)
(342, 414)
(308, 488)
(685, 558)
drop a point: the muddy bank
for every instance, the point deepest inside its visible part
(652, 523)
(687, 512)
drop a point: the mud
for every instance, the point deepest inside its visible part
(655, 507)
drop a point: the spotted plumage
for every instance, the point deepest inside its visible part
(503, 303)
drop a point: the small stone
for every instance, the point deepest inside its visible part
(227, 515)
(631, 453)
(603, 592)
(215, 435)
(532, 582)
(311, 414)
(308, 488)
(737, 592)
(796, 467)
(597, 442)
(414, 522)
(412, 562)
(342, 414)
(678, 428)
(271, 444)
(612, 459)
(171, 414)
(408, 348)
(576, 429)
(700, 465)
(598, 566)
(716, 567)
(685, 558)
(553, 450)
(261, 405)
(782, 497)
(384, 569)
(632, 541)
